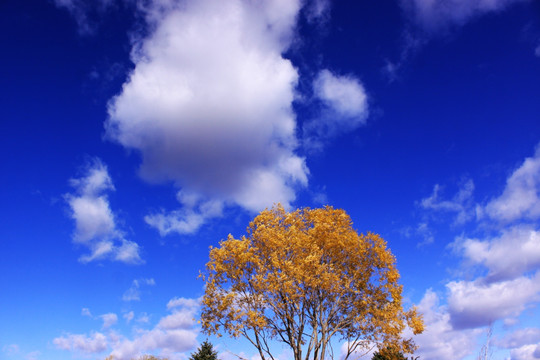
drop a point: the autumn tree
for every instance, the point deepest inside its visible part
(306, 278)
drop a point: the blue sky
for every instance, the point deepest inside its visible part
(136, 134)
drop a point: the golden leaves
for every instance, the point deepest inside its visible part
(305, 269)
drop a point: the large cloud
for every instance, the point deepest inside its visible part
(208, 105)
(476, 303)
(95, 225)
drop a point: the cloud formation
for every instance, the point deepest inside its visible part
(174, 333)
(95, 225)
(208, 106)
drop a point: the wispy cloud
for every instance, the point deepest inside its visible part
(134, 292)
(461, 204)
(438, 15)
(95, 225)
(85, 13)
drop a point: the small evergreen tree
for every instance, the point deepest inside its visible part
(205, 352)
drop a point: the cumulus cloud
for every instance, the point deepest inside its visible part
(477, 303)
(514, 252)
(134, 292)
(440, 340)
(436, 15)
(95, 225)
(520, 198)
(344, 108)
(208, 106)
(92, 344)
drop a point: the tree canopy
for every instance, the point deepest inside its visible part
(306, 278)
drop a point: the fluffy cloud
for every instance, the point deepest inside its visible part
(440, 340)
(95, 225)
(515, 251)
(520, 197)
(93, 344)
(134, 292)
(477, 303)
(434, 15)
(208, 106)
(345, 108)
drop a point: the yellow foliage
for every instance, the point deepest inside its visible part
(303, 277)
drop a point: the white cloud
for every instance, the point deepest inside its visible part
(537, 51)
(208, 106)
(109, 320)
(95, 343)
(435, 15)
(95, 226)
(477, 303)
(86, 312)
(345, 108)
(439, 340)
(461, 204)
(183, 302)
(343, 94)
(520, 198)
(515, 251)
(134, 292)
